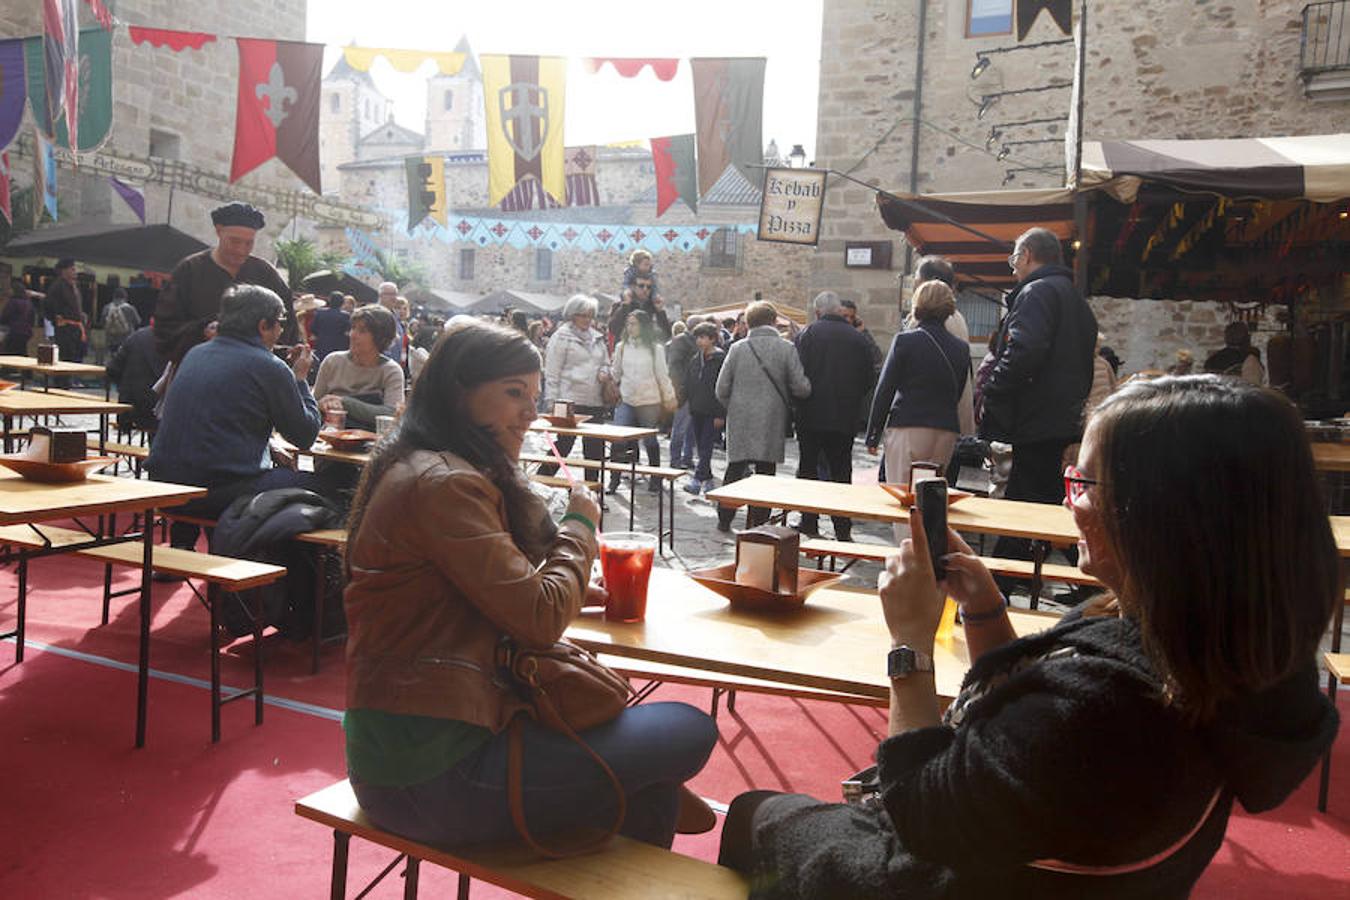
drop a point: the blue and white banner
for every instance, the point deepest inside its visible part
(491, 232)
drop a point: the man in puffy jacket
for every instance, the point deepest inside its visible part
(1042, 372)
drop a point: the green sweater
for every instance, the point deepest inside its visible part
(393, 750)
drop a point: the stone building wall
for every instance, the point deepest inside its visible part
(360, 108)
(1156, 69)
(189, 95)
(1147, 334)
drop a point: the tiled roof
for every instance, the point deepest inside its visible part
(732, 189)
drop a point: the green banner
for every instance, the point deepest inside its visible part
(95, 89)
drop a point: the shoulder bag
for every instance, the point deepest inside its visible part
(782, 394)
(610, 394)
(568, 690)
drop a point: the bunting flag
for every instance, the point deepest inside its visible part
(426, 189)
(525, 105)
(629, 67)
(134, 196)
(362, 58)
(523, 233)
(1028, 10)
(101, 13)
(676, 175)
(13, 89)
(6, 206)
(44, 178)
(278, 109)
(728, 115)
(95, 100)
(61, 54)
(177, 41)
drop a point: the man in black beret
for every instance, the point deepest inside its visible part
(62, 307)
(191, 300)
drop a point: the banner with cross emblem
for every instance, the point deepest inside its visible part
(278, 108)
(525, 104)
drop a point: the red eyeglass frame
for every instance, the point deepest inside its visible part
(1076, 483)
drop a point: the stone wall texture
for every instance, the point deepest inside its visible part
(1155, 69)
(1147, 334)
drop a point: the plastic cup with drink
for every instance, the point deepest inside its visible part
(626, 559)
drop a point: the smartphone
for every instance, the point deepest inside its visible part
(931, 495)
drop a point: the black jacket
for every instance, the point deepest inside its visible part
(680, 352)
(135, 368)
(838, 363)
(1071, 757)
(700, 384)
(1043, 368)
(921, 382)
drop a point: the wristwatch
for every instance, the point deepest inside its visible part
(904, 661)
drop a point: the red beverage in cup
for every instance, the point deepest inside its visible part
(626, 558)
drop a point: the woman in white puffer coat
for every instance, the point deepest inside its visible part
(575, 357)
(644, 385)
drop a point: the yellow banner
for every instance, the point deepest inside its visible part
(524, 96)
(362, 58)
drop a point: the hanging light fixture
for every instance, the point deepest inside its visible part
(982, 62)
(987, 102)
(797, 158)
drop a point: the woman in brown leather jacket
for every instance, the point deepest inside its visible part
(449, 553)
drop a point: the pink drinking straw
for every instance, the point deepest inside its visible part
(567, 473)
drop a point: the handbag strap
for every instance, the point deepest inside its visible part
(942, 353)
(782, 395)
(515, 764)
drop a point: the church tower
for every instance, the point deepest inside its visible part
(456, 120)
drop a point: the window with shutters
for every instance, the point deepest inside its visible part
(723, 250)
(466, 257)
(543, 264)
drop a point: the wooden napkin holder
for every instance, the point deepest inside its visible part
(48, 354)
(58, 445)
(563, 409)
(767, 557)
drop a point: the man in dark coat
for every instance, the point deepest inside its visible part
(1033, 398)
(837, 359)
(192, 299)
(639, 296)
(63, 308)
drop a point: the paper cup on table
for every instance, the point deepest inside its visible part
(626, 559)
(334, 419)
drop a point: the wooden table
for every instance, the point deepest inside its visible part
(40, 403)
(29, 365)
(24, 502)
(837, 642)
(610, 434)
(1331, 457)
(321, 450)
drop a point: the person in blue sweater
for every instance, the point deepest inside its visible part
(227, 398)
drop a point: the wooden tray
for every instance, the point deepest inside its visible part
(7, 385)
(722, 580)
(566, 421)
(54, 473)
(348, 440)
(902, 493)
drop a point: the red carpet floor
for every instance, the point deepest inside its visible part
(85, 815)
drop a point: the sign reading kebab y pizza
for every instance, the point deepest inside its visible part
(790, 209)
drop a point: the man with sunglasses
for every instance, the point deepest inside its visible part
(1033, 398)
(641, 295)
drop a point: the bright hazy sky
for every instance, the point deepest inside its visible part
(601, 108)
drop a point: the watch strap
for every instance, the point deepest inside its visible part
(904, 661)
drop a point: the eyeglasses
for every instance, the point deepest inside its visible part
(1076, 483)
(1012, 260)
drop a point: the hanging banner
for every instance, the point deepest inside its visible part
(177, 41)
(13, 89)
(426, 189)
(676, 174)
(6, 204)
(100, 10)
(630, 67)
(525, 106)
(61, 65)
(134, 197)
(518, 233)
(407, 61)
(44, 178)
(95, 97)
(278, 109)
(728, 116)
(582, 187)
(791, 206)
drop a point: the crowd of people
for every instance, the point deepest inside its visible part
(1188, 683)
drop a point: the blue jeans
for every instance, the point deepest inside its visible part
(681, 437)
(641, 416)
(704, 433)
(653, 748)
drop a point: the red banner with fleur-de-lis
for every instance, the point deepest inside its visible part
(278, 108)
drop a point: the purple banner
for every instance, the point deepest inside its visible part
(13, 89)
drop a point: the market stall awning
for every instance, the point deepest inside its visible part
(325, 281)
(1312, 167)
(976, 231)
(145, 248)
(525, 301)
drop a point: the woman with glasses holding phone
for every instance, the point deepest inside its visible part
(1101, 757)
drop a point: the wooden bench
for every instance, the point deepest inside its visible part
(623, 870)
(669, 474)
(218, 572)
(1338, 673)
(325, 540)
(1017, 568)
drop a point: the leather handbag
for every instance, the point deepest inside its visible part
(569, 690)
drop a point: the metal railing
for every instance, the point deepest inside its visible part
(1325, 46)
